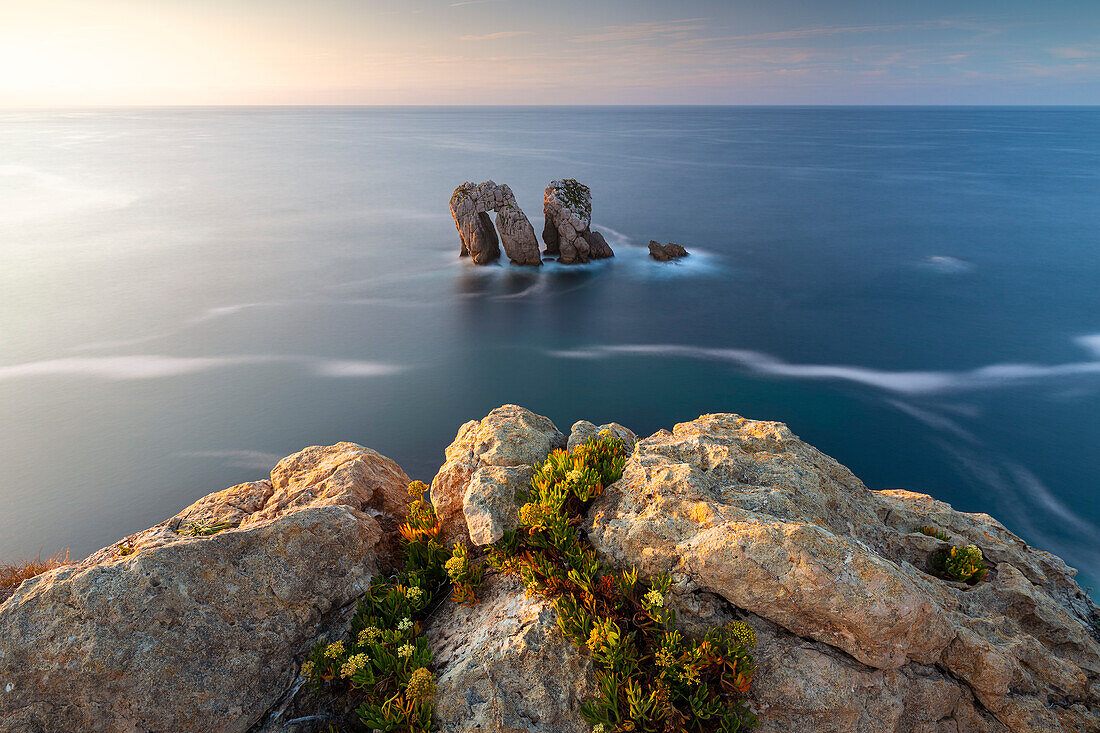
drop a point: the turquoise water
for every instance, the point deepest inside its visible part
(190, 294)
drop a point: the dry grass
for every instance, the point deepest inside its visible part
(12, 575)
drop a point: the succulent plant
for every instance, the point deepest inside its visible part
(961, 564)
(933, 532)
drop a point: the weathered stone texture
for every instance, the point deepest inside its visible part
(469, 206)
(504, 665)
(200, 633)
(747, 512)
(509, 436)
(567, 208)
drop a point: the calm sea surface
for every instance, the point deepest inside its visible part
(189, 294)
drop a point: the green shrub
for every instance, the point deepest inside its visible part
(649, 677)
(961, 564)
(383, 667)
(205, 528)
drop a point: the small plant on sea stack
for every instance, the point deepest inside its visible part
(961, 564)
(933, 532)
(649, 677)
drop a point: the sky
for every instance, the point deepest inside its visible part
(197, 52)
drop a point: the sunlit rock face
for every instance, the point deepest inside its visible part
(469, 206)
(567, 207)
(473, 495)
(503, 665)
(185, 631)
(855, 635)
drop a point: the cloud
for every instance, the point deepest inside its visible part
(151, 366)
(837, 30)
(900, 382)
(645, 31)
(495, 36)
(1086, 51)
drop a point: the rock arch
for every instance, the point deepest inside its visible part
(470, 204)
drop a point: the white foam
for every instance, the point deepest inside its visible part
(933, 420)
(947, 265)
(351, 368)
(151, 366)
(902, 382)
(29, 195)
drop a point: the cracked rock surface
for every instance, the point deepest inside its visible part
(201, 633)
(858, 637)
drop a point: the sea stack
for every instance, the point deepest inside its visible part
(567, 206)
(470, 204)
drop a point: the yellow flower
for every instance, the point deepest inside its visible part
(334, 650)
(417, 489)
(742, 631)
(406, 650)
(665, 658)
(598, 728)
(690, 675)
(414, 594)
(307, 669)
(421, 685)
(370, 635)
(405, 624)
(654, 598)
(355, 663)
(455, 566)
(532, 515)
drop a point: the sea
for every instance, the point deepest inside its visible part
(188, 294)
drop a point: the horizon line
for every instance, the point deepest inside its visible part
(25, 108)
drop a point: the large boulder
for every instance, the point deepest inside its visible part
(509, 436)
(470, 203)
(175, 629)
(567, 207)
(489, 505)
(745, 511)
(504, 665)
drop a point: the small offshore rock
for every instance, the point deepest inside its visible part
(666, 252)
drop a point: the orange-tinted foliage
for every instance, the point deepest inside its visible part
(12, 575)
